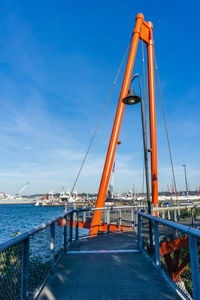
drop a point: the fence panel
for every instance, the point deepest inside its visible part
(39, 259)
(10, 272)
(172, 252)
(26, 261)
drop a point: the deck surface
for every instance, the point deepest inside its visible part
(108, 274)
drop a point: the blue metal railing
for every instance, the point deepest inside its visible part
(28, 258)
(193, 235)
(18, 249)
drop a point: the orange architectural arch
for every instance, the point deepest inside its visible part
(144, 31)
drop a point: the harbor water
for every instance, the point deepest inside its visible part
(22, 217)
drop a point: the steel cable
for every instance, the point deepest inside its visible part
(98, 124)
(165, 122)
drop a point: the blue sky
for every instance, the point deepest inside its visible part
(58, 60)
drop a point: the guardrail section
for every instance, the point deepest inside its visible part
(28, 258)
(174, 250)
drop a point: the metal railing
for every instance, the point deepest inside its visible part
(28, 258)
(163, 231)
(119, 215)
(186, 214)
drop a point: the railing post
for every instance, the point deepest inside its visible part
(139, 232)
(179, 215)
(84, 215)
(120, 218)
(52, 247)
(77, 225)
(108, 220)
(135, 218)
(105, 216)
(132, 218)
(24, 269)
(195, 211)
(71, 226)
(192, 215)
(194, 261)
(175, 216)
(169, 216)
(65, 234)
(157, 246)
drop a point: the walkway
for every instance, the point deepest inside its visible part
(108, 274)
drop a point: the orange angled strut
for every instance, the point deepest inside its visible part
(142, 30)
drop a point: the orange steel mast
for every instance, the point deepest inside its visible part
(152, 117)
(142, 30)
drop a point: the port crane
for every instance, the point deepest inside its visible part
(23, 188)
(197, 190)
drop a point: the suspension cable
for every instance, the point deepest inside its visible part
(168, 142)
(98, 124)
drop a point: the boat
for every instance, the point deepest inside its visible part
(70, 198)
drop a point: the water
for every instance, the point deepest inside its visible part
(22, 217)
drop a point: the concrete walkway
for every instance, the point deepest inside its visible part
(106, 275)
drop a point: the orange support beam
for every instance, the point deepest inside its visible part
(173, 245)
(173, 262)
(152, 117)
(116, 127)
(143, 30)
(101, 227)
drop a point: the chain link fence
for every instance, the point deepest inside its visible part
(148, 241)
(10, 273)
(27, 259)
(39, 259)
(174, 249)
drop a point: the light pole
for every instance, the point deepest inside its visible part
(132, 99)
(186, 182)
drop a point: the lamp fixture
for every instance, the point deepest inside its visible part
(131, 98)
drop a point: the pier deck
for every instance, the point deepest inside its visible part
(106, 267)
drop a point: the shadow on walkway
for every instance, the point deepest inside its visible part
(106, 275)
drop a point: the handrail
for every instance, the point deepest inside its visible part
(193, 236)
(27, 243)
(21, 237)
(110, 208)
(186, 229)
(13, 241)
(176, 207)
